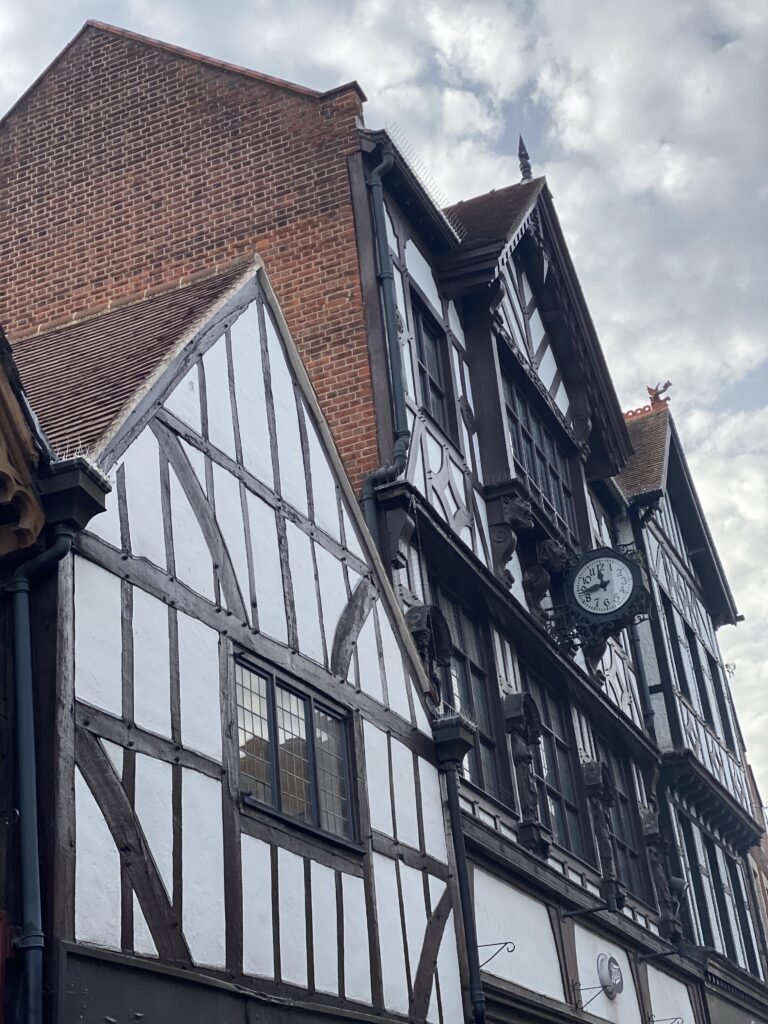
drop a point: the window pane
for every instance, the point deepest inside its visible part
(253, 734)
(295, 790)
(488, 760)
(330, 751)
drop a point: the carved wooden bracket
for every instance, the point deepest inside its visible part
(21, 515)
(657, 847)
(601, 793)
(507, 516)
(400, 527)
(551, 557)
(432, 637)
(523, 723)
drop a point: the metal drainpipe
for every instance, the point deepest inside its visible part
(649, 715)
(387, 473)
(476, 994)
(30, 942)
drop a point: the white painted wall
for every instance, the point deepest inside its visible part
(98, 637)
(325, 929)
(97, 873)
(293, 925)
(625, 1008)
(199, 686)
(357, 965)
(151, 664)
(669, 997)
(390, 934)
(154, 809)
(203, 869)
(504, 912)
(258, 946)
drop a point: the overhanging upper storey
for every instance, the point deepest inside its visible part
(659, 470)
(512, 242)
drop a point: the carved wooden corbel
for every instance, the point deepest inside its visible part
(523, 723)
(432, 637)
(601, 793)
(657, 847)
(551, 558)
(507, 516)
(400, 527)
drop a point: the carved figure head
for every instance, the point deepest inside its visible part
(517, 512)
(553, 555)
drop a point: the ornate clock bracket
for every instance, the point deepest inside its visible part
(523, 723)
(601, 793)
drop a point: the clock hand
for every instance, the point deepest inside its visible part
(596, 586)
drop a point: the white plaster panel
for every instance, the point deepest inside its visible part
(449, 977)
(203, 868)
(406, 820)
(422, 724)
(421, 272)
(229, 515)
(98, 637)
(351, 539)
(197, 462)
(397, 682)
(293, 483)
(669, 997)
(267, 571)
(151, 664)
(368, 659)
(624, 1009)
(415, 913)
(455, 324)
(432, 811)
(248, 375)
(391, 235)
(199, 686)
(304, 593)
(258, 951)
(377, 774)
(333, 591)
(143, 943)
(562, 401)
(324, 929)
(115, 755)
(323, 483)
(390, 935)
(293, 929)
(184, 400)
(154, 809)
(97, 873)
(503, 912)
(106, 525)
(547, 368)
(221, 430)
(357, 964)
(142, 491)
(194, 565)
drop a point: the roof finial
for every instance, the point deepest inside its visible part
(525, 161)
(655, 394)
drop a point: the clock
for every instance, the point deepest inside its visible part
(604, 586)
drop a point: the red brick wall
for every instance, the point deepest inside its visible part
(129, 167)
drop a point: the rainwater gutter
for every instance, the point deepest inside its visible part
(387, 473)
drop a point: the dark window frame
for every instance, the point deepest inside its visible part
(435, 375)
(313, 706)
(721, 699)
(470, 673)
(551, 790)
(698, 672)
(540, 459)
(632, 867)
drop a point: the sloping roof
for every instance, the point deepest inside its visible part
(221, 65)
(646, 470)
(80, 376)
(496, 215)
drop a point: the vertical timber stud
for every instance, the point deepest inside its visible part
(454, 738)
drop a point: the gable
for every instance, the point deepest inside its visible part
(225, 477)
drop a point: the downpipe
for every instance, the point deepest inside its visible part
(30, 942)
(402, 435)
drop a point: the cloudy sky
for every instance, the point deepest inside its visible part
(649, 121)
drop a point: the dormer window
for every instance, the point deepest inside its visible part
(539, 460)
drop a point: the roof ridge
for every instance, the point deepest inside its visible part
(498, 191)
(223, 65)
(93, 312)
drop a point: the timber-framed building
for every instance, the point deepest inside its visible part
(338, 712)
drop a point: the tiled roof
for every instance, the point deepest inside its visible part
(495, 216)
(645, 472)
(79, 377)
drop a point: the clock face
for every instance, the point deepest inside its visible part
(603, 585)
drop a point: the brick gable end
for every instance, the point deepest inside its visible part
(129, 167)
